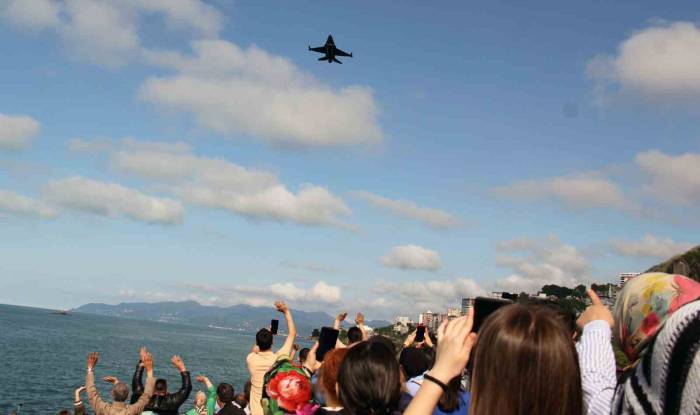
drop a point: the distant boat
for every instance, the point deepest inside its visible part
(61, 312)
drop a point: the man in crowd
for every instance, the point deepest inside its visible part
(120, 390)
(225, 399)
(356, 333)
(261, 358)
(162, 402)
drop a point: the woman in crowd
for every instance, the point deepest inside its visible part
(328, 381)
(524, 363)
(369, 381)
(657, 324)
(204, 402)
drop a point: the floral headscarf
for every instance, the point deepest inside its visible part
(645, 303)
(287, 390)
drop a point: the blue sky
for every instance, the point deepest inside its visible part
(196, 150)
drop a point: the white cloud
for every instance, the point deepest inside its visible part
(312, 267)
(575, 192)
(674, 179)
(413, 296)
(22, 206)
(219, 184)
(232, 90)
(412, 257)
(658, 61)
(265, 295)
(435, 218)
(114, 200)
(107, 32)
(651, 247)
(17, 131)
(535, 263)
(326, 293)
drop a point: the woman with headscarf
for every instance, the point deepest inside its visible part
(657, 326)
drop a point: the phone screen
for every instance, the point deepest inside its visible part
(484, 307)
(420, 333)
(326, 342)
(274, 326)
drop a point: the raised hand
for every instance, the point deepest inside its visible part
(178, 363)
(281, 306)
(92, 359)
(142, 353)
(111, 379)
(148, 362)
(77, 393)
(410, 339)
(201, 379)
(360, 319)
(595, 311)
(311, 363)
(455, 343)
(341, 316)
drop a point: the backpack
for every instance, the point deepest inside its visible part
(287, 390)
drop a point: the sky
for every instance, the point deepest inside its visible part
(156, 150)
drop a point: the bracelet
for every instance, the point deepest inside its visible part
(435, 381)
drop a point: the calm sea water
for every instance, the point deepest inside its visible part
(42, 355)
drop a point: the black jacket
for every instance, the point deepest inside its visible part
(231, 409)
(162, 405)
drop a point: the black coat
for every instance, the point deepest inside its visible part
(168, 404)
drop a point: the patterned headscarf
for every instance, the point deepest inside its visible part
(644, 305)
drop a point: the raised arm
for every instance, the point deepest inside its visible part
(141, 403)
(78, 407)
(136, 381)
(181, 396)
(291, 328)
(211, 393)
(97, 404)
(336, 325)
(360, 322)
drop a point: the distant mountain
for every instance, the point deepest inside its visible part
(687, 264)
(238, 317)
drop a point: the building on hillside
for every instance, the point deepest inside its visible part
(467, 303)
(453, 312)
(626, 276)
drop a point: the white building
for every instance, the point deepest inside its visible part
(626, 276)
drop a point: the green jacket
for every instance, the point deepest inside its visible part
(211, 403)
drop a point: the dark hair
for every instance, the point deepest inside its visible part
(225, 392)
(161, 385)
(303, 354)
(414, 362)
(369, 380)
(354, 335)
(525, 362)
(452, 397)
(120, 391)
(61, 412)
(386, 342)
(329, 374)
(246, 389)
(264, 339)
(568, 318)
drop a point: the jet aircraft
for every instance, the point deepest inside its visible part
(330, 51)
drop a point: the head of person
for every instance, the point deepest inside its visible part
(644, 305)
(61, 412)
(225, 393)
(303, 354)
(161, 387)
(120, 391)
(386, 342)
(263, 339)
(200, 399)
(354, 335)
(369, 381)
(413, 361)
(525, 362)
(329, 375)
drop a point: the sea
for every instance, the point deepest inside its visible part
(43, 355)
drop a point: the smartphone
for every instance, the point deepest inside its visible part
(326, 342)
(274, 326)
(420, 333)
(484, 307)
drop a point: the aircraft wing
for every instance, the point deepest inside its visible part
(339, 52)
(320, 49)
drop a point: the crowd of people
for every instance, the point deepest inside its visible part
(526, 359)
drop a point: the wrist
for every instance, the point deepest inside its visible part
(441, 374)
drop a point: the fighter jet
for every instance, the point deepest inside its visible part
(330, 50)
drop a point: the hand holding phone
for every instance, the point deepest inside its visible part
(420, 333)
(326, 342)
(274, 326)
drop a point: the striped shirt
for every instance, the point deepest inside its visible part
(597, 361)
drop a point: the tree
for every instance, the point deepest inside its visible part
(580, 291)
(316, 333)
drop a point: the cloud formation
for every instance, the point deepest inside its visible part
(435, 218)
(22, 206)
(412, 257)
(263, 295)
(220, 184)
(650, 247)
(537, 262)
(17, 131)
(107, 32)
(231, 90)
(674, 179)
(112, 200)
(660, 61)
(575, 192)
(412, 297)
